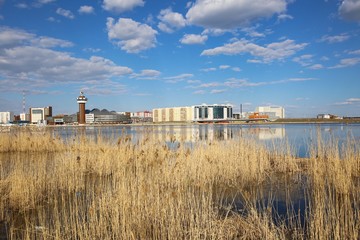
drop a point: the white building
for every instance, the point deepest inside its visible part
(272, 112)
(212, 113)
(90, 118)
(6, 117)
(40, 115)
(197, 113)
(24, 117)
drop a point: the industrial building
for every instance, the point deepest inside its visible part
(271, 112)
(6, 117)
(40, 115)
(196, 113)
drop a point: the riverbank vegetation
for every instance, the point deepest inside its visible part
(100, 188)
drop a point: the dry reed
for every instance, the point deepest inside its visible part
(94, 188)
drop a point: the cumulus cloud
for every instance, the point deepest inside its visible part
(120, 6)
(170, 20)
(131, 36)
(65, 13)
(229, 14)
(267, 53)
(29, 62)
(148, 74)
(334, 39)
(193, 39)
(86, 9)
(350, 10)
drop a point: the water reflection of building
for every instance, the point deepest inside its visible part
(194, 133)
(267, 133)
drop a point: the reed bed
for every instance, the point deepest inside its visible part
(98, 188)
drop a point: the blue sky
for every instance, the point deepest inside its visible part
(135, 55)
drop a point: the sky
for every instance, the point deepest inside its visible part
(136, 55)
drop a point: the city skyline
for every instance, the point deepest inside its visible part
(136, 55)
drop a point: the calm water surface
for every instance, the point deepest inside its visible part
(301, 137)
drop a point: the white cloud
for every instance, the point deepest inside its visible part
(131, 36)
(283, 17)
(208, 69)
(356, 52)
(241, 83)
(148, 74)
(224, 66)
(47, 42)
(29, 63)
(268, 53)
(350, 10)
(120, 6)
(179, 78)
(303, 60)
(193, 39)
(347, 62)
(229, 14)
(217, 91)
(65, 13)
(236, 69)
(316, 66)
(86, 9)
(10, 37)
(216, 31)
(349, 101)
(170, 20)
(334, 39)
(199, 92)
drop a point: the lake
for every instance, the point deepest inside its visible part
(301, 137)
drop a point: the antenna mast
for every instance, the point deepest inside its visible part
(23, 101)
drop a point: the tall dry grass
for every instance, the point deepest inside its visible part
(95, 188)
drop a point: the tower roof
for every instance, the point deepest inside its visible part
(82, 98)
